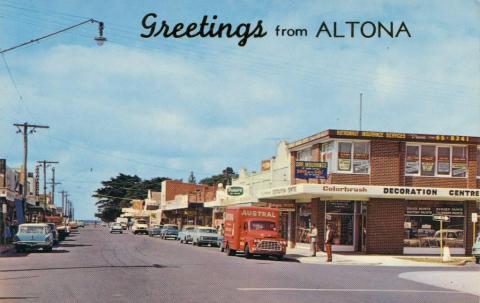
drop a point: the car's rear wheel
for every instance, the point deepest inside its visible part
(47, 249)
(19, 249)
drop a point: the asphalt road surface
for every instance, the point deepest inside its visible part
(96, 266)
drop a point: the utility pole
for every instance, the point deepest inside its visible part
(44, 164)
(63, 201)
(24, 128)
(53, 183)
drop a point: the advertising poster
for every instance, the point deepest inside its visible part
(181, 114)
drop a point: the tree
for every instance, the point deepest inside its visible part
(225, 178)
(118, 192)
(191, 178)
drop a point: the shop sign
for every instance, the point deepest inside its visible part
(310, 170)
(235, 191)
(438, 211)
(474, 217)
(282, 206)
(441, 218)
(340, 207)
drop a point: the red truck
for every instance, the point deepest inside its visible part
(254, 231)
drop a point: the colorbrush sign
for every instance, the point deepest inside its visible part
(363, 192)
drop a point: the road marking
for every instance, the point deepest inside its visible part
(348, 290)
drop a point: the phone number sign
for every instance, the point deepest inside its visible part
(311, 170)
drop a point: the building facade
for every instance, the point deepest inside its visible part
(384, 192)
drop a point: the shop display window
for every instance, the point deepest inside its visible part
(340, 215)
(421, 230)
(304, 220)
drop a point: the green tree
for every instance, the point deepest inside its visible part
(225, 178)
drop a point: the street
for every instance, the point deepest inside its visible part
(96, 266)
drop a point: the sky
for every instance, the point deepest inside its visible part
(165, 107)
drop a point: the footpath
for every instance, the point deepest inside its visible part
(303, 255)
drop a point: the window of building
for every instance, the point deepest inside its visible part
(421, 230)
(361, 158)
(305, 154)
(353, 157)
(478, 162)
(344, 156)
(412, 163)
(443, 161)
(431, 160)
(304, 220)
(327, 154)
(340, 215)
(459, 161)
(428, 160)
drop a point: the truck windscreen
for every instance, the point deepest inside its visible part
(262, 225)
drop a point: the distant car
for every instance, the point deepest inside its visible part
(476, 250)
(80, 224)
(154, 230)
(54, 231)
(169, 232)
(124, 225)
(205, 235)
(33, 236)
(185, 235)
(116, 228)
(140, 227)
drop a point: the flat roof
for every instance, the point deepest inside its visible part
(390, 136)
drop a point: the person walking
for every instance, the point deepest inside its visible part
(313, 240)
(328, 242)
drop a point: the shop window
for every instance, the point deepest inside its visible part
(443, 161)
(421, 230)
(428, 160)
(340, 215)
(459, 161)
(304, 219)
(412, 163)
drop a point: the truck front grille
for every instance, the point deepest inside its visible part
(269, 245)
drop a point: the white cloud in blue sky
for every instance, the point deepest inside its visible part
(165, 107)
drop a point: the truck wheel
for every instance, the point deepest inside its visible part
(230, 252)
(248, 255)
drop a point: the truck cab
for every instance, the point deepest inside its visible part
(253, 231)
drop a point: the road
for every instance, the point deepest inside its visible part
(95, 266)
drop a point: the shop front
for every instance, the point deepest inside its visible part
(382, 219)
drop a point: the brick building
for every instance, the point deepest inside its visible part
(182, 203)
(384, 192)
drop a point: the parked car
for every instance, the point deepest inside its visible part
(124, 225)
(476, 250)
(204, 235)
(116, 228)
(140, 226)
(54, 231)
(451, 238)
(154, 230)
(33, 236)
(80, 224)
(169, 231)
(185, 235)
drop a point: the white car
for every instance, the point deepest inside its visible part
(140, 227)
(116, 228)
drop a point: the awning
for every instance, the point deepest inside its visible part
(306, 192)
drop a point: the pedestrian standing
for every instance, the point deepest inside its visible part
(328, 242)
(313, 240)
